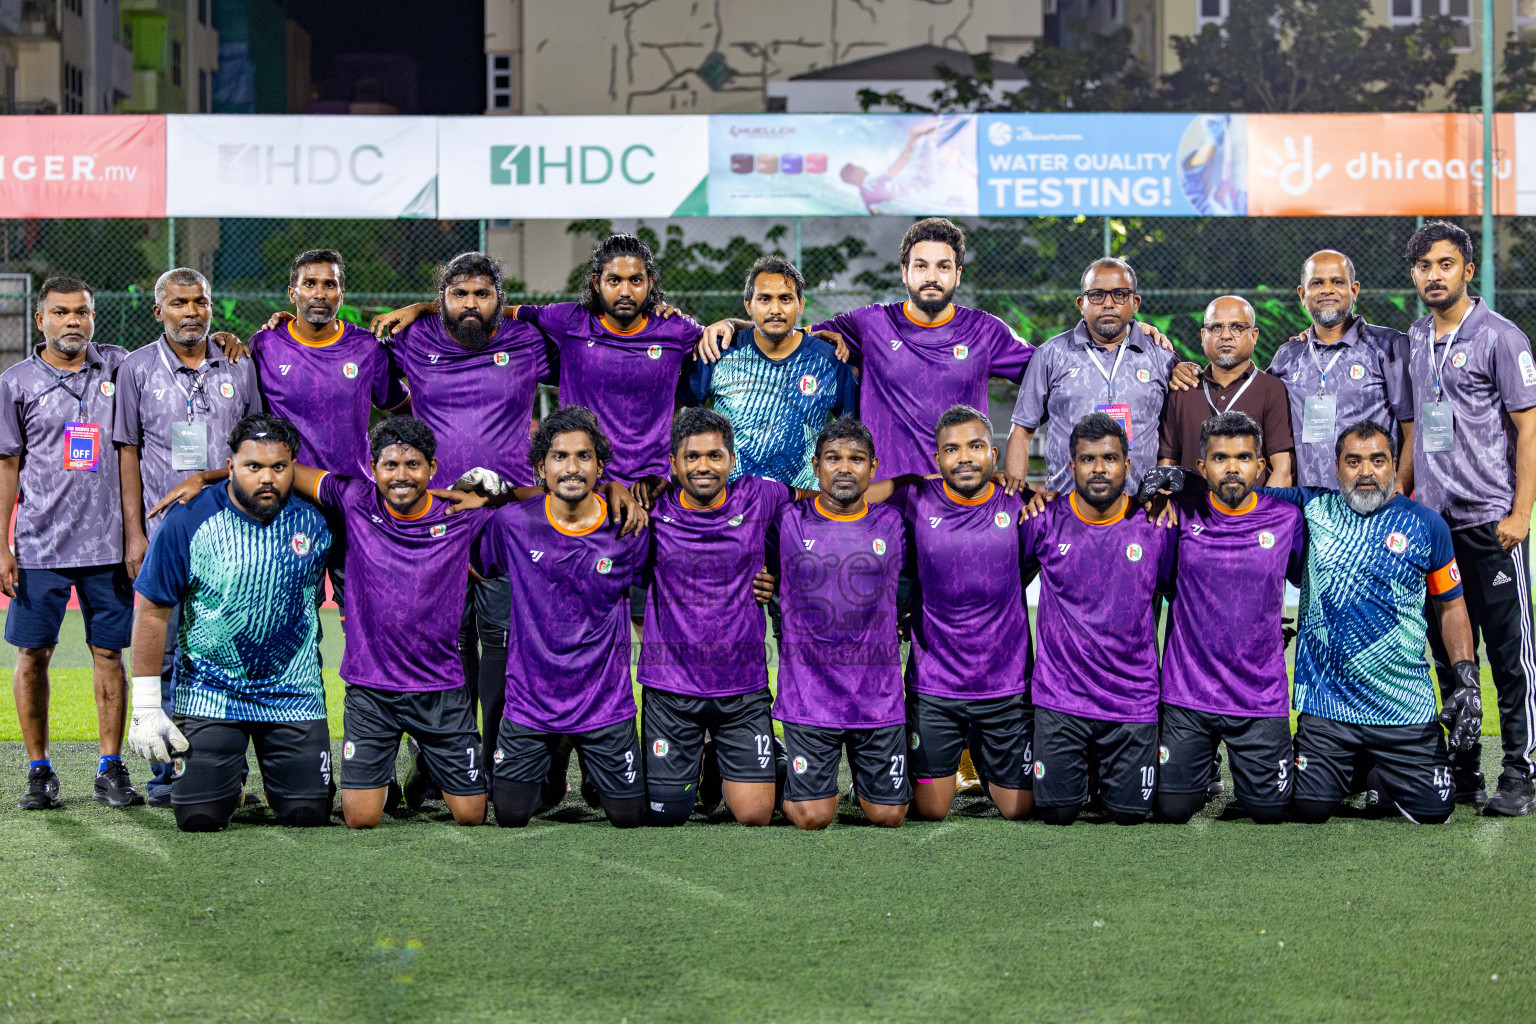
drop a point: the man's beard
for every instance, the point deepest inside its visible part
(932, 307)
(1104, 333)
(1364, 501)
(1330, 318)
(1227, 362)
(1231, 480)
(1449, 298)
(319, 314)
(248, 503)
(469, 330)
(1102, 504)
(69, 347)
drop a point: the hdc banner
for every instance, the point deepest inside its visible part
(256, 165)
(82, 166)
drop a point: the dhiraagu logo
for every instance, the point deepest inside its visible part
(571, 165)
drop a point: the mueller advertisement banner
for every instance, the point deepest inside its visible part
(82, 166)
(519, 167)
(1402, 165)
(1155, 165)
(255, 165)
(841, 165)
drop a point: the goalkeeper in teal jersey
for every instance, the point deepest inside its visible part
(242, 561)
(1362, 684)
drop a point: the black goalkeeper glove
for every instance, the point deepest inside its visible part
(1160, 478)
(1462, 712)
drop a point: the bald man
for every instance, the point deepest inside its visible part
(1230, 383)
(1342, 371)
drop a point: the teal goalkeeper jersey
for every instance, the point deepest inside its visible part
(1361, 637)
(248, 643)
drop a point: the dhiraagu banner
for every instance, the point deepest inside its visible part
(1165, 165)
(518, 167)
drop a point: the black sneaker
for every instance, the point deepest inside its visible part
(393, 796)
(249, 799)
(711, 787)
(1513, 799)
(42, 791)
(1469, 787)
(590, 794)
(114, 788)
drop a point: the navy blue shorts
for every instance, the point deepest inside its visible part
(106, 599)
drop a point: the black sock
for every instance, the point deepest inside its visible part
(670, 805)
(1178, 808)
(1059, 815)
(515, 802)
(1314, 812)
(626, 812)
(208, 817)
(300, 813)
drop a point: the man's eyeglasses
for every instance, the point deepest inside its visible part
(1096, 296)
(1219, 329)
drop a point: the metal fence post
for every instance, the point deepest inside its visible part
(481, 245)
(1490, 171)
(797, 246)
(1108, 246)
(170, 243)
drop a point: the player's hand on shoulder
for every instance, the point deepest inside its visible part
(1014, 485)
(482, 481)
(668, 311)
(648, 489)
(234, 349)
(459, 501)
(624, 508)
(388, 324)
(1037, 502)
(182, 493)
(1185, 376)
(715, 340)
(1158, 337)
(763, 585)
(276, 320)
(839, 345)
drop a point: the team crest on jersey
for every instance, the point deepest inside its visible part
(660, 748)
(502, 359)
(1134, 552)
(1002, 519)
(498, 757)
(348, 749)
(961, 351)
(1459, 360)
(1396, 543)
(1162, 755)
(1266, 539)
(349, 371)
(178, 767)
(1039, 769)
(1356, 372)
(800, 765)
(809, 385)
(1301, 762)
(108, 388)
(1143, 376)
(1455, 572)
(604, 565)
(737, 520)
(914, 741)
(299, 542)
(439, 529)
(654, 351)
(879, 546)
(227, 389)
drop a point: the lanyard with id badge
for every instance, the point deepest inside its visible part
(82, 439)
(189, 440)
(1320, 411)
(1120, 412)
(1437, 421)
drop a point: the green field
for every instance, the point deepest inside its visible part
(115, 915)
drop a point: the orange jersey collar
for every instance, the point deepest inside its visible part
(341, 329)
(946, 318)
(980, 499)
(549, 498)
(1125, 504)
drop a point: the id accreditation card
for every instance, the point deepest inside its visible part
(1120, 412)
(82, 446)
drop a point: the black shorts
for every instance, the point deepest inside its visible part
(937, 731)
(106, 602)
(877, 758)
(1258, 752)
(1068, 747)
(609, 757)
(1412, 761)
(294, 758)
(672, 732)
(442, 721)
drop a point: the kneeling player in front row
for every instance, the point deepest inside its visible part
(568, 656)
(840, 657)
(1095, 681)
(242, 562)
(971, 648)
(1224, 676)
(400, 665)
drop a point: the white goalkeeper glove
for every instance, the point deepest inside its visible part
(151, 733)
(483, 481)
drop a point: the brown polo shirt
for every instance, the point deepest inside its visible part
(1185, 412)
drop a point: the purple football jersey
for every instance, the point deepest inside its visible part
(329, 390)
(970, 628)
(1224, 653)
(704, 631)
(568, 649)
(913, 372)
(840, 657)
(404, 587)
(479, 402)
(629, 379)
(1096, 650)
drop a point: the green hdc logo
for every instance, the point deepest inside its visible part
(587, 165)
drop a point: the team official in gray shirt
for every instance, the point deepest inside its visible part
(58, 468)
(1474, 462)
(1342, 371)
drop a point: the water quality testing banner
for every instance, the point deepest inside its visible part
(841, 164)
(1166, 165)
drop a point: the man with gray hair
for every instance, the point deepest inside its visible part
(1343, 370)
(178, 399)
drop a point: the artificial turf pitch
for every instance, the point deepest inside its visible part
(114, 915)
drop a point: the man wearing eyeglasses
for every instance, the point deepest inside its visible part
(1230, 383)
(1108, 363)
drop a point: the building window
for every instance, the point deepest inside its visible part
(1211, 12)
(1525, 19)
(74, 89)
(1411, 12)
(202, 91)
(498, 81)
(176, 62)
